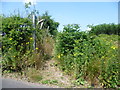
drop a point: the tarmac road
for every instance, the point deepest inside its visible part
(10, 83)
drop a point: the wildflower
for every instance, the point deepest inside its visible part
(75, 54)
(36, 48)
(14, 56)
(31, 38)
(3, 46)
(10, 38)
(113, 47)
(9, 48)
(58, 56)
(102, 57)
(27, 43)
(61, 54)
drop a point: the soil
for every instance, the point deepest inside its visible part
(49, 72)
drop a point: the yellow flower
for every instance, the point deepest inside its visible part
(61, 54)
(75, 54)
(36, 48)
(102, 57)
(14, 56)
(27, 43)
(58, 56)
(10, 38)
(9, 48)
(113, 47)
(31, 38)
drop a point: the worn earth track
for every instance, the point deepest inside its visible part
(49, 72)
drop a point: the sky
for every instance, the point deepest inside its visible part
(83, 13)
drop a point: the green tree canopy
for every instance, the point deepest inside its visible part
(105, 29)
(49, 24)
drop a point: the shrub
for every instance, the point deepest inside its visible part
(90, 57)
(17, 44)
(16, 41)
(106, 29)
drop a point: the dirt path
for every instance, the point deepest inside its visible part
(51, 72)
(50, 75)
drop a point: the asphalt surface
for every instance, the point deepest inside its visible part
(10, 83)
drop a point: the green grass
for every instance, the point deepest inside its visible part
(36, 78)
(33, 75)
(50, 82)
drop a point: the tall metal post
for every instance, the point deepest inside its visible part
(34, 32)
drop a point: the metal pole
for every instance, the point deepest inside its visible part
(34, 32)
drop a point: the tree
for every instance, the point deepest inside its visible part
(49, 24)
(105, 29)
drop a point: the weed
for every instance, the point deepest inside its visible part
(50, 82)
(81, 54)
(33, 74)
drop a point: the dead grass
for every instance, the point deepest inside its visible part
(51, 72)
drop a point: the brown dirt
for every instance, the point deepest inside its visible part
(48, 72)
(51, 72)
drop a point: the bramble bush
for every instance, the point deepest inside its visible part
(86, 56)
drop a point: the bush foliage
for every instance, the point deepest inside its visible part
(91, 57)
(16, 41)
(83, 55)
(106, 29)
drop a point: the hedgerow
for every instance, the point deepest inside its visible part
(106, 29)
(16, 42)
(89, 57)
